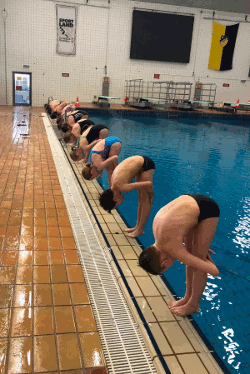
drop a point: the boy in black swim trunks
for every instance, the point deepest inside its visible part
(184, 230)
(142, 169)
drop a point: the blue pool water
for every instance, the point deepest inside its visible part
(212, 158)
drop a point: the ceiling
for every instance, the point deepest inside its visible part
(235, 6)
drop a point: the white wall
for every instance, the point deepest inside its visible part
(103, 38)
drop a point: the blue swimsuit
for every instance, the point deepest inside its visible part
(105, 152)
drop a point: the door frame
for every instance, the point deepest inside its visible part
(14, 88)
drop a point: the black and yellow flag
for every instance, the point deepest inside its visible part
(222, 46)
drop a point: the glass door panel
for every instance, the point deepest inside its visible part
(22, 89)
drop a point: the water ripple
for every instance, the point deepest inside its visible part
(213, 158)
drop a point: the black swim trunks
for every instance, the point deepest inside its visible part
(85, 124)
(148, 164)
(94, 132)
(208, 207)
(77, 116)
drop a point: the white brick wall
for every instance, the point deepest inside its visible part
(103, 37)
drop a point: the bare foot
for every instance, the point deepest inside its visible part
(134, 234)
(175, 303)
(129, 230)
(184, 310)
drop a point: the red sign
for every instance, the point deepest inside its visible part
(157, 76)
(225, 84)
(65, 74)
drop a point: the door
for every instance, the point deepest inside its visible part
(22, 89)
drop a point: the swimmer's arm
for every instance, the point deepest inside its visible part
(101, 165)
(135, 186)
(76, 130)
(188, 259)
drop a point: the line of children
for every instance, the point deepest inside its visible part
(183, 229)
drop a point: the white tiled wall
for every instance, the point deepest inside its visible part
(103, 38)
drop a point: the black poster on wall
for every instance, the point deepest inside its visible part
(161, 36)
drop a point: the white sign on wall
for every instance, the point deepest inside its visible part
(66, 30)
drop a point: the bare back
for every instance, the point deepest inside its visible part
(127, 170)
(99, 146)
(174, 220)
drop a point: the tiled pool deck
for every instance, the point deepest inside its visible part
(46, 319)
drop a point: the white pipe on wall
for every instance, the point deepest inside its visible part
(5, 15)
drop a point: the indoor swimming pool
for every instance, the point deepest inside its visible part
(201, 157)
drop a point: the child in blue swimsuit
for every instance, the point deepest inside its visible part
(104, 155)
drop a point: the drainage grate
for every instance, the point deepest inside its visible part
(123, 346)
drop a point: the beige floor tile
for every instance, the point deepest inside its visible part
(162, 287)
(120, 239)
(100, 218)
(108, 218)
(210, 363)
(132, 241)
(160, 309)
(117, 252)
(128, 252)
(92, 203)
(173, 365)
(160, 339)
(95, 209)
(158, 366)
(110, 239)
(137, 249)
(101, 210)
(136, 270)
(192, 364)
(193, 336)
(145, 308)
(176, 337)
(114, 228)
(117, 217)
(105, 228)
(147, 286)
(134, 286)
(125, 269)
(122, 224)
